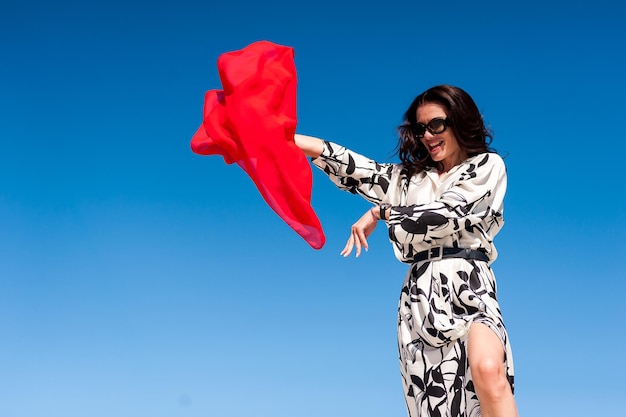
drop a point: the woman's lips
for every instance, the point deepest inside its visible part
(435, 146)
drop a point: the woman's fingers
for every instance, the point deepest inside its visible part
(348, 248)
(360, 240)
(359, 232)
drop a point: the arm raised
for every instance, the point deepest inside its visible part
(311, 146)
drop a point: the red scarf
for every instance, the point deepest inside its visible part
(252, 122)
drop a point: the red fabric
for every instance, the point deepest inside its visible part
(252, 122)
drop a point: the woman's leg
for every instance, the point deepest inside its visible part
(486, 361)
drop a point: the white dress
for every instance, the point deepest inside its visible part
(440, 299)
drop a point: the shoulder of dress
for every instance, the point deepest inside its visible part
(403, 171)
(486, 159)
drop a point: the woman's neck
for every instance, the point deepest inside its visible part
(446, 165)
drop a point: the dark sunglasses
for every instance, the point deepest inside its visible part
(435, 126)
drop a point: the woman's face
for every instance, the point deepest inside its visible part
(443, 147)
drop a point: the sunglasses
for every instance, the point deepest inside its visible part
(435, 126)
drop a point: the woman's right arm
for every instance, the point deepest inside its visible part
(354, 173)
(349, 170)
(310, 145)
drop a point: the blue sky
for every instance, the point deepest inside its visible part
(140, 279)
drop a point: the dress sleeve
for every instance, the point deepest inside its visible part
(473, 203)
(356, 173)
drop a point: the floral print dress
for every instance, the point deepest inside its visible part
(440, 298)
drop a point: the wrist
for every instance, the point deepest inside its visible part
(383, 211)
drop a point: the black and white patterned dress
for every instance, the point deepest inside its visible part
(439, 299)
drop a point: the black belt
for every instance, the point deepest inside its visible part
(437, 252)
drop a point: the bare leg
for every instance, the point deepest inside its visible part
(486, 360)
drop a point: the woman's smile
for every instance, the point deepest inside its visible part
(443, 147)
(434, 147)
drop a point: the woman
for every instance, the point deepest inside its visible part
(442, 206)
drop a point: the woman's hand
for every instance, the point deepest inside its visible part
(360, 231)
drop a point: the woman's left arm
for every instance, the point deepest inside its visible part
(360, 231)
(477, 195)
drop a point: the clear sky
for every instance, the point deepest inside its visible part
(140, 279)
